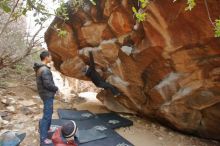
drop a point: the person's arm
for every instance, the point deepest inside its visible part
(47, 78)
(91, 61)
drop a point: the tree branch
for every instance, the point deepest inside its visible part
(42, 12)
(209, 16)
(27, 52)
(8, 21)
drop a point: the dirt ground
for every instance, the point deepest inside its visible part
(21, 109)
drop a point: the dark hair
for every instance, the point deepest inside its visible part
(44, 54)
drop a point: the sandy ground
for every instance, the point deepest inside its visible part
(142, 133)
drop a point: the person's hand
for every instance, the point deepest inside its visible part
(84, 70)
(58, 94)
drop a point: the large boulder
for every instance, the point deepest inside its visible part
(167, 67)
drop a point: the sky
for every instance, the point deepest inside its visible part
(51, 5)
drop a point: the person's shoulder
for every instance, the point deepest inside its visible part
(45, 70)
(56, 134)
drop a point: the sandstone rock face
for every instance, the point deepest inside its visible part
(167, 68)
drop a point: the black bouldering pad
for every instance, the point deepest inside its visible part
(95, 123)
(90, 123)
(93, 134)
(46, 144)
(75, 115)
(114, 121)
(58, 122)
(85, 125)
(114, 140)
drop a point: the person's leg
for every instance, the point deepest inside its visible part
(46, 120)
(49, 123)
(106, 85)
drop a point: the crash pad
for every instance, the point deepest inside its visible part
(89, 135)
(104, 136)
(114, 120)
(114, 140)
(74, 114)
(11, 138)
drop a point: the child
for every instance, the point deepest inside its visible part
(64, 136)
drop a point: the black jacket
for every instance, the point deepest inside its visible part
(45, 84)
(92, 73)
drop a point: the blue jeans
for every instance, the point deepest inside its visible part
(45, 122)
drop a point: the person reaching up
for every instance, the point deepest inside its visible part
(96, 78)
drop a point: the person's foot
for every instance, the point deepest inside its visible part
(116, 95)
(50, 130)
(47, 141)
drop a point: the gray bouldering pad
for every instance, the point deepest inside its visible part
(11, 138)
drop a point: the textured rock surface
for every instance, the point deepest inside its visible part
(167, 68)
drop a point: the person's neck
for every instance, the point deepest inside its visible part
(44, 62)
